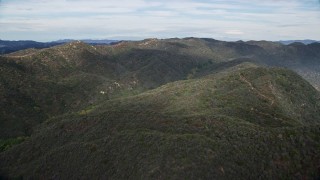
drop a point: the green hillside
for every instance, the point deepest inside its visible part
(161, 109)
(218, 126)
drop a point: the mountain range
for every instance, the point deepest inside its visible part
(191, 108)
(306, 41)
(12, 46)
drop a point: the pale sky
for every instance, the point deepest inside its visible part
(47, 20)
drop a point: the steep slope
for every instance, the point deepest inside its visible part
(16, 103)
(246, 122)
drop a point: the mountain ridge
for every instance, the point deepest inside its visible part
(306, 41)
(7, 46)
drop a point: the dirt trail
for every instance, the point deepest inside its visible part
(26, 55)
(242, 78)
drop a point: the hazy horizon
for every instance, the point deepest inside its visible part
(228, 40)
(228, 20)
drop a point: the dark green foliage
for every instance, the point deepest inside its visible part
(126, 111)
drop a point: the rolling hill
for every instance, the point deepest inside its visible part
(161, 109)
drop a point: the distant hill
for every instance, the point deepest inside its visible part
(307, 41)
(191, 108)
(13, 46)
(88, 41)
